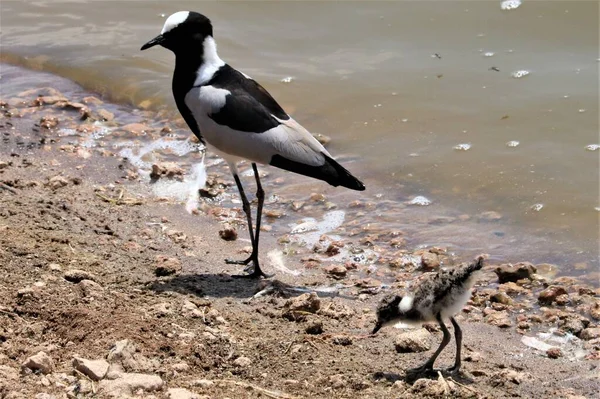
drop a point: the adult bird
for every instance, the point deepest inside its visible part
(238, 119)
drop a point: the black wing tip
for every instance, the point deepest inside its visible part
(344, 177)
(330, 172)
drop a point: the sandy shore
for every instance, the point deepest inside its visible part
(110, 291)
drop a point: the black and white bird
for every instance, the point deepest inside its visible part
(434, 298)
(238, 119)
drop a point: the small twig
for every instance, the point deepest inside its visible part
(266, 392)
(289, 347)
(311, 343)
(8, 188)
(447, 388)
(8, 313)
(464, 386)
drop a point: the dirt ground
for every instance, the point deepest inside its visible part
(89, 259)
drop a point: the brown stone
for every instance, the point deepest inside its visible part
(509, 273)
(550, 294)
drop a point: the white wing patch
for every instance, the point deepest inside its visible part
(212, 98)
(174, 20)
(406, 303)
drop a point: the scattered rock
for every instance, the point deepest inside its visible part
(550, 294)
(49, 122)
(309, 302)
(39, 362)
(413, 341)
(129, 383)
(554, 353)
(228, 234)
(181, 393)
(136, 129)
(94, 369)
(499, 319)
(57, 182)
(180, 367)
(106, 115)
(590, 333)
(336, 271)
(430, 260)
(318, 197)
(501, 297)
(55, 267)
(203, 383)
(123, 354)
(76, 276)
(509, 273)
(431, 388)
(342, 340)
(336, 310)
(574, 325)
(337, 381)
(177, 236)
(242, 361)
(505, 376)
(166, 169)
(90, 288)
(48, 100)
(165, 266)
(190, 309)
(314, 327)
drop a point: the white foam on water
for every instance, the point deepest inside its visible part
(569, 344)
(137, 158)
(277, 261)
(510, 4)
(186, 190)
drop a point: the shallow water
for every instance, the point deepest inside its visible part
(400, 116)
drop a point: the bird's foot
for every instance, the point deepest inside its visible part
(238, 262)
(425, 369)
(253, 271)
(454, 370)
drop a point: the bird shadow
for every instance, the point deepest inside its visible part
(208, 285)
(224, 285)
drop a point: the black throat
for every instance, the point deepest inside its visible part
(186, 67)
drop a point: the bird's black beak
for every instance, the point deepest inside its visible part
(157, 40)
(377, 327)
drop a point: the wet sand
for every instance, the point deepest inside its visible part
(91, 256)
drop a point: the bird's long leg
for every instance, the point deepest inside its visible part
(260, 196)
(254, 234)
(428, 365)
(458, 337)
(247, 211)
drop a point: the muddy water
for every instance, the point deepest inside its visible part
(476, 108)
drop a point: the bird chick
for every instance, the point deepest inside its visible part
(436, 297)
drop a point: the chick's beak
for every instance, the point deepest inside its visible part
(157, 40)
(377, 327)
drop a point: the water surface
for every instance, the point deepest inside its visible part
(397, 85)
